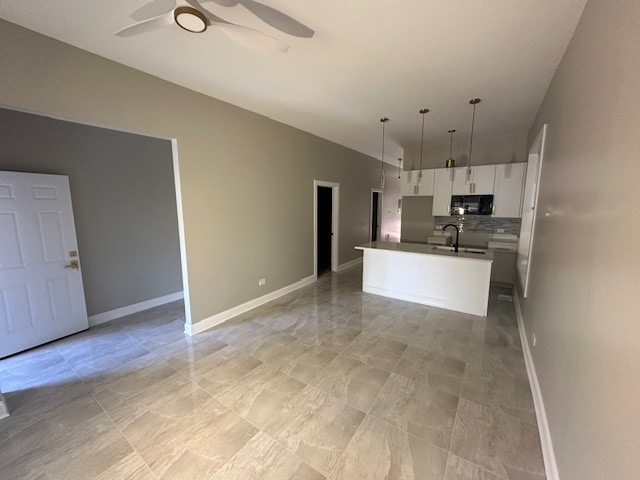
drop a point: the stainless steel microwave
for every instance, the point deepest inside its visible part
(471, 204)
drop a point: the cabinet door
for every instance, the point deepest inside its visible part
(503, 267)
(426, 185)
(481, 182)
(410, 186)
(507, 198)
(442, 184)
(482, 179)
(459, 186)
(407, 183)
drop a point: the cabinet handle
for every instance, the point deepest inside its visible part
(493, 209)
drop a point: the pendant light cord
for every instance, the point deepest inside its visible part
(473, 102)
(423, 111)
(421, 143)
(383, 120)
(451, 143)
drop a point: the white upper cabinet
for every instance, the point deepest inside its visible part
(507, 196)
(481, 182)
(410, 186)
(442, 184)
(482, 178)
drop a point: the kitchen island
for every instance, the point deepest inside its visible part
(428, 274)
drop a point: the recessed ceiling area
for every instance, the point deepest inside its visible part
(362, 60)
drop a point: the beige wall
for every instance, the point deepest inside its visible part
(390, 216)
(583, 303)
(486, 150)
(247, 181)
(417, 221)
(124, 203)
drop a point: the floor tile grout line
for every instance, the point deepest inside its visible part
(124, 436)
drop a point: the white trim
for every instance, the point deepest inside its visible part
(4, 409)
(181, 235)
(335, 223)
(536, 150)
(550, 464)
(349, 264)
(218, 318)
(135, 308)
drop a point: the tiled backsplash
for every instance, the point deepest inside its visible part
(481, 223)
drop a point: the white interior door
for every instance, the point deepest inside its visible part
(41, 293)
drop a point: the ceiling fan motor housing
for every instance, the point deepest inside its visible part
(190, 19)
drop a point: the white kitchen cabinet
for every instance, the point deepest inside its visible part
(459, 185)
(409, 180)
(507, 196)
(442, 184)
(481, 182)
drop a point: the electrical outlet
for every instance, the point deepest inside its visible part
(438, 227)
(262, 281)
(500, 230)
(534, 339)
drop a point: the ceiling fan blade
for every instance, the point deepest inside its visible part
(147, 25)
(245, 36)
(253, 39)
(153, 9)
(224, 3)
(277, 19)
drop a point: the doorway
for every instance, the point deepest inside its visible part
(326, 199)
(375, 222)
(323, 222)
(129, 225)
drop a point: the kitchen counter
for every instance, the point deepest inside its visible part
(428, 274)
(424, 248)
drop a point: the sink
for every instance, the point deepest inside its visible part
(461, 249)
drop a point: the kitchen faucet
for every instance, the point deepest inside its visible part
(455, 245)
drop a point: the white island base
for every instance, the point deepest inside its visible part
(428, 275)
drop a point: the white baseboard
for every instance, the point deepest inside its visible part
(4, 410)
(550, 464)
(218, 318)
(349, 264)
(135, 308)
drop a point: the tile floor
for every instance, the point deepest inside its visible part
(325, 383)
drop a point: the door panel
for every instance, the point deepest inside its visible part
(10, 253)
(41, 299)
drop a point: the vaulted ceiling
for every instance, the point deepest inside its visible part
(365, 59)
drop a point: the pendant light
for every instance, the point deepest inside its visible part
(450, 161)
(416, 188)
(474, 102)
(383, 120)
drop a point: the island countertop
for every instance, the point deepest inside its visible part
(422, 248)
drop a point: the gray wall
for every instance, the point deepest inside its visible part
(585, 272)
(124, 202)
(246, 181)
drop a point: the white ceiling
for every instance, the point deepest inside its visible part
(367, 59)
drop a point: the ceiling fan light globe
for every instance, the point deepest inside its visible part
(190, 19)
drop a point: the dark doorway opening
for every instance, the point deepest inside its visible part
(375, 216)
(324, 232)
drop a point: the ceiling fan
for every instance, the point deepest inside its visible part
(271, 16)
(191, 16)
